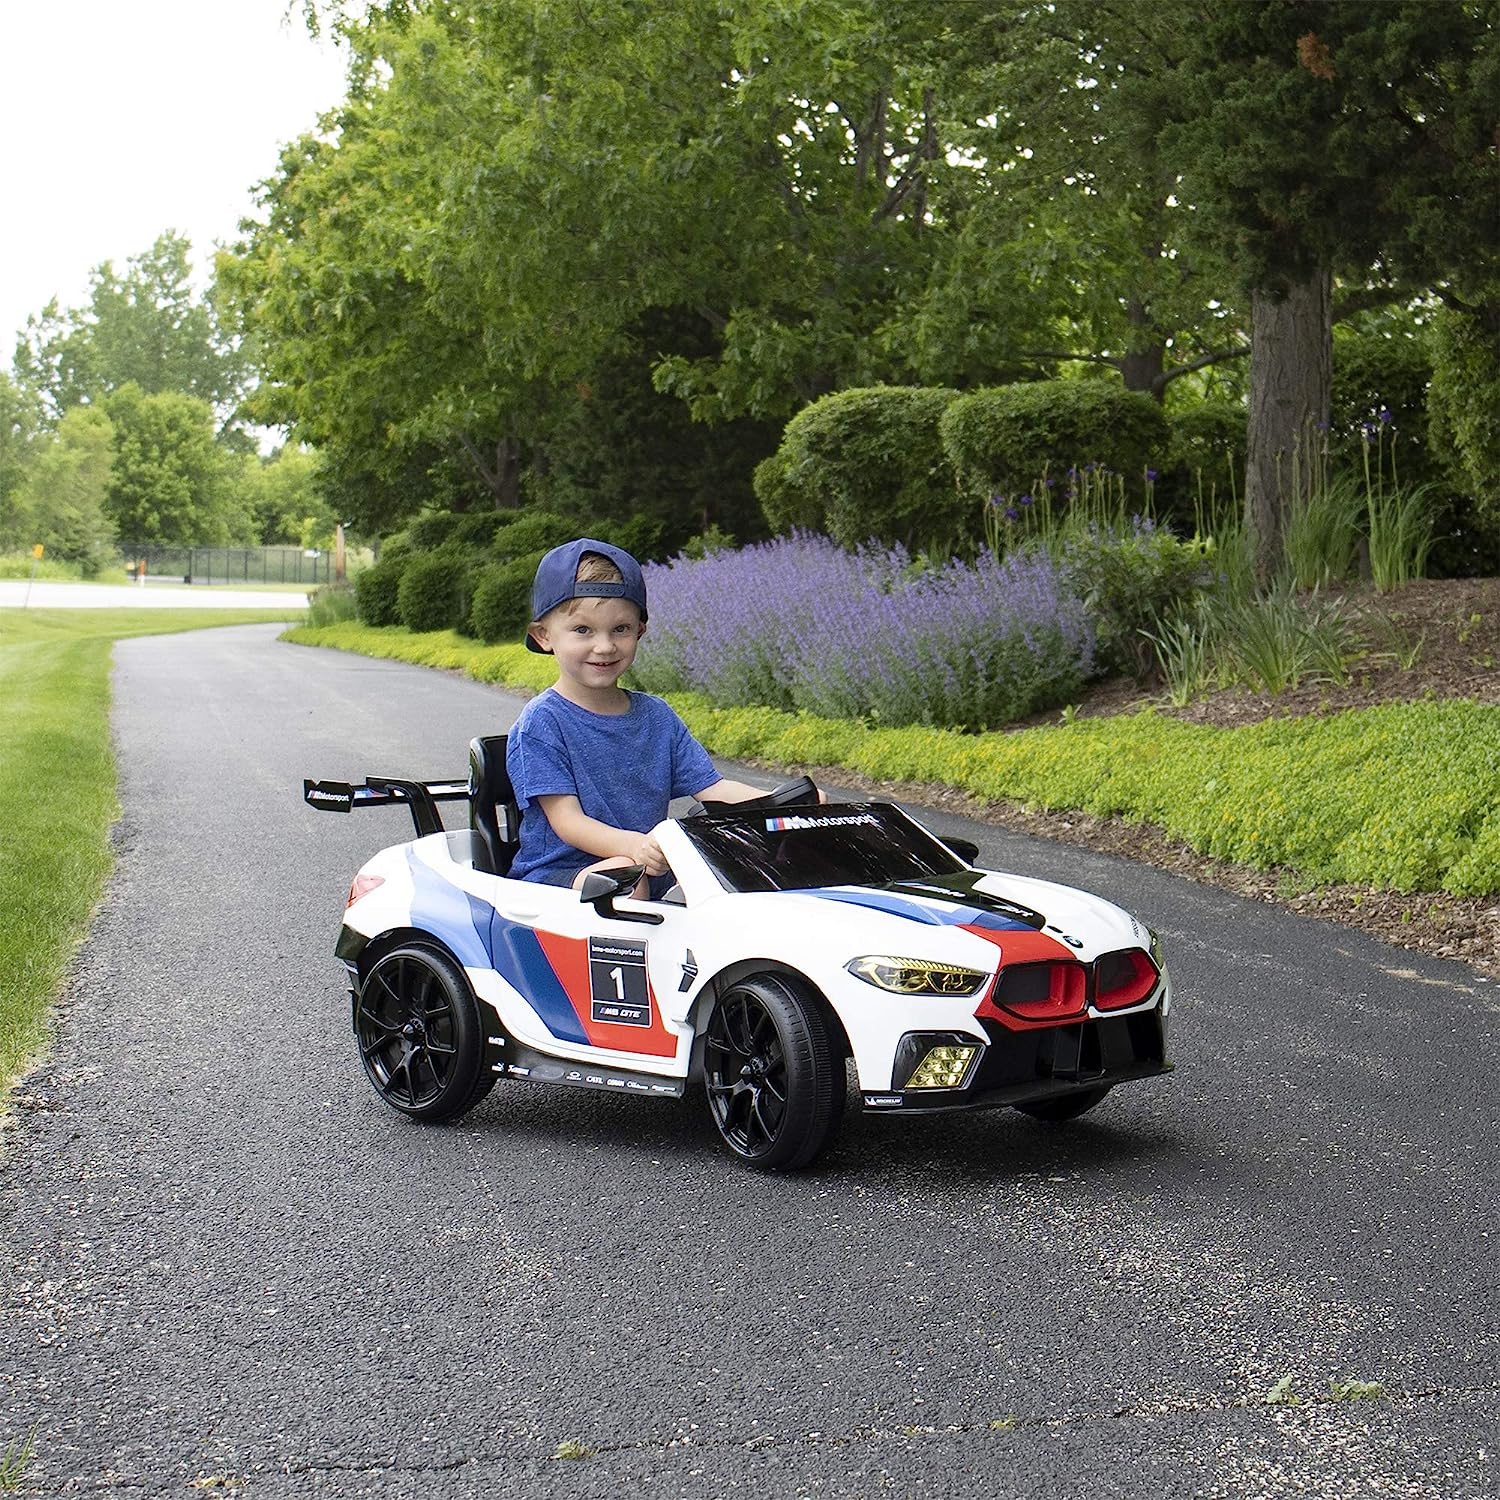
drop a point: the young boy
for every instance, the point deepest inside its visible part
(594, 766)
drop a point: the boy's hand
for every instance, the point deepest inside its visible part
(648, 853)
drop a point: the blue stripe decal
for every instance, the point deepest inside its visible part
(449, 914)
(519, 960)
(915, 911)
(480, 938)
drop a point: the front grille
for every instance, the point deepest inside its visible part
(1084, 1052)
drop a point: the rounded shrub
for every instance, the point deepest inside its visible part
(1007, 438)
(375, 588)
(428, 533)
(432, 593)
(871, 462)
(501, 606)
(533, 532)
(788, 499)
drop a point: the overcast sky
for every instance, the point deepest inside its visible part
(124, 118)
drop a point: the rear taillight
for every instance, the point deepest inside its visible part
(1123, 979)
(362, 886)
(1042, 991)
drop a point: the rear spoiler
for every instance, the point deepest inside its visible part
(421, 797)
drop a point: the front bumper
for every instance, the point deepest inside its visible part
(1019, 1067)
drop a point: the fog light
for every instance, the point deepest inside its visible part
(942, 1068)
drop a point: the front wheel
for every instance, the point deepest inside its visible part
(773, 1076)
(1064, 1106)
(419, 1035)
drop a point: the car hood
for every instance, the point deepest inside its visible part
(964, 918)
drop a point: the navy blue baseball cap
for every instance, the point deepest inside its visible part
(557, 581)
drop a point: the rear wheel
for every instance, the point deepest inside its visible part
(419, 1035)
(1064, 1106)
(775, 1080)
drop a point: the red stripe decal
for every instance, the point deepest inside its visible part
(569, 958)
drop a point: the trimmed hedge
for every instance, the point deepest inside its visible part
(1004, 439)
(501, 607)
(376, 587)
(433, 593)
(867, 465)
(1403, 797)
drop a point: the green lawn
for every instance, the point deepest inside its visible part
(57, 794)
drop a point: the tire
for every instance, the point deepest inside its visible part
(419, 1035)
(1064, 1106)
(775, 1080)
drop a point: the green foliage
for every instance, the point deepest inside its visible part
(1399, 524)
(534, 532)
(1204, 471)
(433, 591)
(283, 497)
(20, 419)
(501, 608)
(870, 464)
(171, 481)
(1322, 532)
(1273, 641)
(1403, 797)
(332, 604)
(426, 533)
(1129, 580)
(1009, 439)
(63, 502)
(377, 588)
(1380, 380)
(147, 328)
(1464, 409)
(617, 448)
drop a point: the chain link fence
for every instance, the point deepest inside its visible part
(230, 564)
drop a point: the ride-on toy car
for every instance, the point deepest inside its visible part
(798, 934)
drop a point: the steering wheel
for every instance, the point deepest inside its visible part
(788, 794)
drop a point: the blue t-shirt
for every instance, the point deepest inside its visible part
(623, 768)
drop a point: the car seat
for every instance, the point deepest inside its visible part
(493, 814)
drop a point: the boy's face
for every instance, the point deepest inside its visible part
(594, 640)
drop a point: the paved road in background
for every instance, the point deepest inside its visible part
(231, 1270)
(43, 594)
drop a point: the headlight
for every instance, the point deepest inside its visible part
(916, 976)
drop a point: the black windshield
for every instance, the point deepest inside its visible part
(794, 848)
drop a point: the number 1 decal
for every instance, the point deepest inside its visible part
(617, 982)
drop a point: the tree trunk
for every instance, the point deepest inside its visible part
(1144, 362)
(1291, 373)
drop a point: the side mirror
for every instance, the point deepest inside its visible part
(601, 888)
(966, 849)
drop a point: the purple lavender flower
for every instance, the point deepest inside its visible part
(1385, 416)
(1024, 500)
(1011, 513)
(800, 623)
(1151, 476)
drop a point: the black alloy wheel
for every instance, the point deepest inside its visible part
(1064, 1106)
(773, 1075)
(419, 1035)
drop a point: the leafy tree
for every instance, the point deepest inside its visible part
(63, 502)
(170, 481)
(284, 502)
(146, 327)
(20, 417)
(1332, 139)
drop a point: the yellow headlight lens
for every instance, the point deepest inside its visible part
(942, 1068)
(916, 976)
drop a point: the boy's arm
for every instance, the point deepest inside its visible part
(736, 791)
(574, 826)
